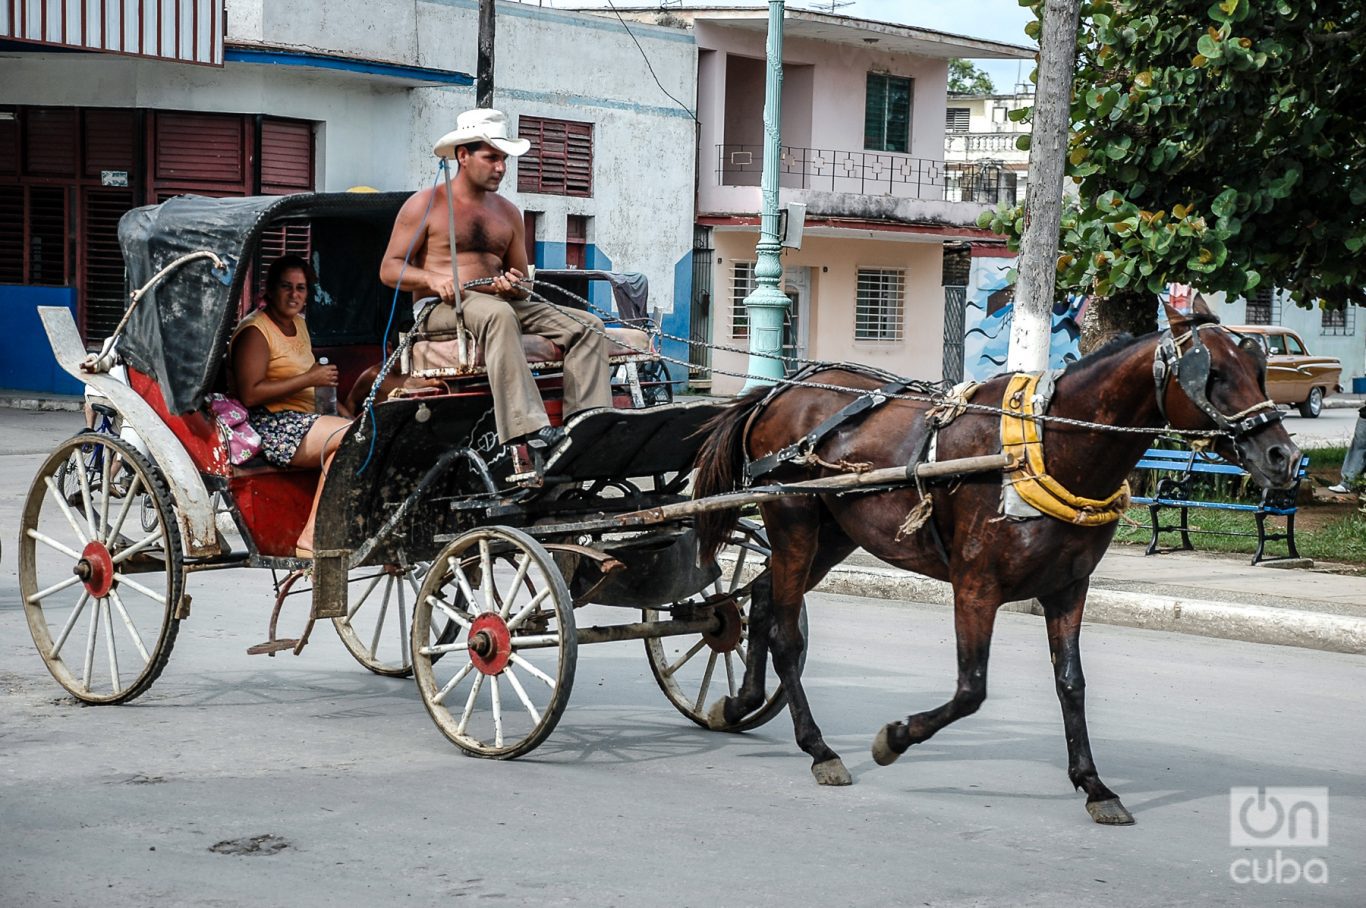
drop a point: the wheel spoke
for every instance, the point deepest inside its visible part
(149, 593)
(496, 696)
(440, 649)
(450, 612)
(668, 671)
(379, 619)
(469, 703)
(109, 644)
(451, 684)
(128, 623)
(55, 588)
(533, 670)
(730, 675)
(91, 636)
(403, 626)
(706, 682)
(523, 564)
(522, 695)
(516, 621)
(49, 541)
(374, 582)
(85, 492)
(70, 623)
(129, 497)
(486, 565)
(104, 502)
(82, 535)
(462, 582)
(739, 569)
(144, 542)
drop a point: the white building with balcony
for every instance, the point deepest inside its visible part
(863, 115)
(978, 131)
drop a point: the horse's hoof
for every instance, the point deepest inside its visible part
(883, 754)
(1109, 813)
(831, 772)
(716, 716)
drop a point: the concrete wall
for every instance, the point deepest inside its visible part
(834, 263)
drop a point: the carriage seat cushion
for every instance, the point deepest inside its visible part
(441, 352)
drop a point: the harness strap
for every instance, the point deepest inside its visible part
(806, 445)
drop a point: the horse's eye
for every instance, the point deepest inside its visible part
(1215, 375)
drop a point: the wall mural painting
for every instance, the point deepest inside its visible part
(990, 305)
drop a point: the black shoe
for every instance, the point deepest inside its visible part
(544, 438)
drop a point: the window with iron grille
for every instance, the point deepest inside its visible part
(887, 113)
(1259, 306)
(956, 119)
(560, 160)
(879, 304)
(741, 286)
(1339, 322)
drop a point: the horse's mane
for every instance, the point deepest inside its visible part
(1125, 339)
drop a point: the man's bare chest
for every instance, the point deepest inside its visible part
(476, 230)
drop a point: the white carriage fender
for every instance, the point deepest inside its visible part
(193, 504)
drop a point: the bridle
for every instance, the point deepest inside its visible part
(1192, 370)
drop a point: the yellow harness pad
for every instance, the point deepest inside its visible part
(1022, 438)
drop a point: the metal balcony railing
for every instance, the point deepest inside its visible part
(869, 173)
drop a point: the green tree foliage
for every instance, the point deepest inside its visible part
(1217, 144)
(966, 79)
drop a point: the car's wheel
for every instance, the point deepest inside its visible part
(1313, 405)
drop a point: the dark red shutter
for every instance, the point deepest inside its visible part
(50, 142)
(286, 157)
(201, 148)
(109, 142)
(9, 147)
(47, 245)
(102, 291)
(560, 160)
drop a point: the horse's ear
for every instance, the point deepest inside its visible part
(1179, 320)
(1198, 307)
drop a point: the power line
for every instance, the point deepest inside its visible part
(646, 58)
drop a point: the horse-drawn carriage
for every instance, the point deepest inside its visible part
(420, 499)
(429, 560)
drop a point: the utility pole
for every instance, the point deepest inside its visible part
(1031, 329)
(483, 73)
(768, 305)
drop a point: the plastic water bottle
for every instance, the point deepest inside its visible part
(325, 397)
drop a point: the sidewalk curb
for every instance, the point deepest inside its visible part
(1249, 623)
(43, 403)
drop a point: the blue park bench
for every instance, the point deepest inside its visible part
(1176, 488)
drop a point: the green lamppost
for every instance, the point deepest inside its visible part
(767, 305)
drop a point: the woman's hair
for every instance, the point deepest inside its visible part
(276, 274)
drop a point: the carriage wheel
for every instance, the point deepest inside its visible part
(100, 568)
(379, 613)
(497, 686)
(694, 670)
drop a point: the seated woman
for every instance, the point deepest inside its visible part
(274, 374)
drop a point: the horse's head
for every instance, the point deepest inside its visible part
(1210, 378)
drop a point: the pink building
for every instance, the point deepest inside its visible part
(863, 135)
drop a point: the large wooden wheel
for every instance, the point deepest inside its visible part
(100, 568)
(695, 670)
(494, 645)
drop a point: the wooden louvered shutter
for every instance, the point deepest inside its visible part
(203, 153)
(579, 159)
(560, 161)
(286, 157)
(48, 249)
(11, 234)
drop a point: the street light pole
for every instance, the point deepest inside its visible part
(767, 305)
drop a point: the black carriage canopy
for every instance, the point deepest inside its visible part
(179, 332)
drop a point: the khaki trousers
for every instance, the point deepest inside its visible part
(498, 325)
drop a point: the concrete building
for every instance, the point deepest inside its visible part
(863, 150)
(979, 131)
(119, 103)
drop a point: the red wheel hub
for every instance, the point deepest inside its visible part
(490, 643)
(728, 635)
(96, 569)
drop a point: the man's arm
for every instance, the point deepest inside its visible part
(410, 230)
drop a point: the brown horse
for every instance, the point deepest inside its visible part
(1206, 379)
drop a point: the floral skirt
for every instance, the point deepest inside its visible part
(281, 433)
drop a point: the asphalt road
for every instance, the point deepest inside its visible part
(349, 793)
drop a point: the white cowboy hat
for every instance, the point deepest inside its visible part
(483, 125)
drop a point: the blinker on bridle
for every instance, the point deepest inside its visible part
(1192, 369)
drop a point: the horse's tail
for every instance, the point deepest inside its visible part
(720, 465)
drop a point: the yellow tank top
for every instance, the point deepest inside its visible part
(289, 356)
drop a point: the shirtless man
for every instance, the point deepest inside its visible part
(490, 243)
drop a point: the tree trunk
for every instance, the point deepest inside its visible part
(1031, 329)
(1130, 311)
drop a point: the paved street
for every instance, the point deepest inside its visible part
(630, 804)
